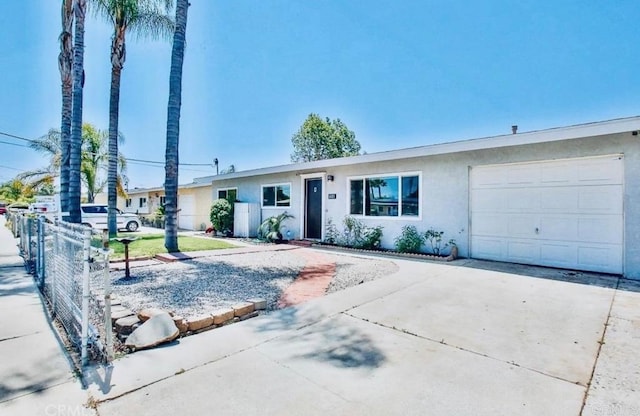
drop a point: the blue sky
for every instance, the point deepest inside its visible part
(399, 74)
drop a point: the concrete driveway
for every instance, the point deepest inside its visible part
(432, 339)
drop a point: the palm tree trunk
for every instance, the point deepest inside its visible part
(118, 56)
(173, 128)
(65, 62)
(75, 159)
(112, 172)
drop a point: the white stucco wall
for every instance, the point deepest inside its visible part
(444, 194)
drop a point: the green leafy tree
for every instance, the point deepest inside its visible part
(173, 128)
(320, 139)
(16, 190)
(142, 18)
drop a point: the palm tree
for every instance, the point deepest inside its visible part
(65, 62)
(95, 156)
(93, 161)
(143, 18)
(173, 128)
(75, 160)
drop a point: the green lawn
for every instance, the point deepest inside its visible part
(152, 244)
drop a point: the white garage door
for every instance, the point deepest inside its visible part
(563, 213)
(186, 206)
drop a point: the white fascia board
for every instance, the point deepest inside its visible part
(540, 136)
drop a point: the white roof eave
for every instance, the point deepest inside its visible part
(533, 137)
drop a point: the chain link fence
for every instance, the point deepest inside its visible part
(72, 271)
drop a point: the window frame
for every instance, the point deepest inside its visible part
(232, 188)
(398, 176)
(275, 186)
(128, 202)
(140, 201)
(162, 200)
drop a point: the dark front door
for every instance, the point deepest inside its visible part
(313, 209)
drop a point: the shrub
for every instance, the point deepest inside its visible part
(409, 241)
(372, 237)
(352, 232)
(357, 234)
(331, 235)
(434, 238)
(271, 228)
(220, 215)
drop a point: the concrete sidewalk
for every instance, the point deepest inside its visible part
(36, 377)
(432, 339)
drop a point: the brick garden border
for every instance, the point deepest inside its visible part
(391, 253)
(126, 321)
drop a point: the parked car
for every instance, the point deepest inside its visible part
(3, 208)
(18, 207)
(95, 216)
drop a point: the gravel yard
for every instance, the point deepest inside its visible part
(351, 271)
(202, 285)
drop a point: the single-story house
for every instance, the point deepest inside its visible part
(194, 203)
(565, 197)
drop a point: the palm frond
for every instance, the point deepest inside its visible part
(103, 9)
(152, 25)
(48, 144)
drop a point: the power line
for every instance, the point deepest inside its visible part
(126, 158)
(162, 166)
(14, 144)
(9, 167)
(16, 137)
(162, 163)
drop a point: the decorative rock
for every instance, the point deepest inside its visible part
(249, 315)
(222, 315)
(242, 308)
(125, 325)
(158, 329)
(258, 303)
(118, 313)
(180, 323)
(200, 322)
(146, 314)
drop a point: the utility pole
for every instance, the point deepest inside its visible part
(215, 162)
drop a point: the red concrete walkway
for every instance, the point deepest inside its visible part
(313, 280)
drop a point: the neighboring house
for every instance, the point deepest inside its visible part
(565, 197)
(194, 203)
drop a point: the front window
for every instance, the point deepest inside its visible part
(381, 196)
(357, 199)
(143, 203)
(385, 196)
(230, 194)
(276, 195)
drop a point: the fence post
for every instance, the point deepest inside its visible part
(53, 268)
(85, 295)
(29, 261)
(107, 296)
(40, 255)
